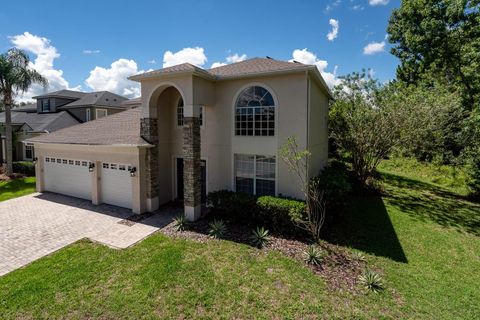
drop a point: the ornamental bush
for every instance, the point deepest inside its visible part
(24, 167)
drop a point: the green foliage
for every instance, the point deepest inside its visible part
(279, 214)
(438, 39)
(24, 167)
(260, 237)
(313, 255)
(362, 124)
(218, 229)
(371, 281)
(335, 182)
(180, 222)
(359, 256)
(471, 154)
(16, 188)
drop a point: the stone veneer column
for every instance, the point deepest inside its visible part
(149, 132)
(192, 182)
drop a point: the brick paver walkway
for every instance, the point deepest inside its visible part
(38, 224)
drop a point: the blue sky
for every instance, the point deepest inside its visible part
(76, 43)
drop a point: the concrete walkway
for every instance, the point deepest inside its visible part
(36, 225)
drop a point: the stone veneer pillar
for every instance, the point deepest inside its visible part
(192, 180)
(149, 132)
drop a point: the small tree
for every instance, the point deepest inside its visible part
(362, 124)
(15, 76)
(297, 161)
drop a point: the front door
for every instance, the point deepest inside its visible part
(203, 174)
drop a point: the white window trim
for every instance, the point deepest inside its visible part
(202, 112)
(255, 172)
(25, 151)
(88, 115)
(103, 110)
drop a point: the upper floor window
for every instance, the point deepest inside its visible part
(180, 115)
(88, 116)
(255, 113)
(45, 105)
(100, 113)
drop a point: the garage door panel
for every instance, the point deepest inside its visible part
(116, 185)
(66, 176)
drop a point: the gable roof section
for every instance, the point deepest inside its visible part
(69, 94)
(247, 68)
(120, 129)
(100, 98)
(41, 122)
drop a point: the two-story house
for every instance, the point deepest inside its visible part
(54, 111)
(196, 131)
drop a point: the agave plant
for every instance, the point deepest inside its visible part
(313, 255)
(357, 255)
(371, 281)
(217, 229)
(259, 237)
(180, 222)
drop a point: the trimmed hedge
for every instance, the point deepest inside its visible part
(276, 214)
(24, 167)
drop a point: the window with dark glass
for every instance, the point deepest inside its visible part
(29, 152)
(255, 113)
(46, 105)
(255, 174)
(180, 114)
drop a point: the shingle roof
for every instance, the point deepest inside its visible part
(122, 128)
(100, 98)
(41, 122)
(255, 66)
(133, 101)
(62, 94)
(238, 69)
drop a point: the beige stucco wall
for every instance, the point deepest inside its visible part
(117, 154)
(317, 128)
(218, 142)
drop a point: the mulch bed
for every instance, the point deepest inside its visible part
(339, 268)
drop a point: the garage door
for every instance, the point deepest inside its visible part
(116, 184)
(68, 176)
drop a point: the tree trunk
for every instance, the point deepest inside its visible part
(8, 134)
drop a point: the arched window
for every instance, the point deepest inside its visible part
(255, 113)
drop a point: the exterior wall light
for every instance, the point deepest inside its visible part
(132, 171)
(91, 167)
(35, 160)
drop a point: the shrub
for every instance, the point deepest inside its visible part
(280, 214)
(180, 222)
(259, 237)
(231, 205)
(336, 183)
(359, 256)
(371, 281)
(217, 229)
(24, 167)
(313, 255)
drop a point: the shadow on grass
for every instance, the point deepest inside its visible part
(427, 202)
(365, 225)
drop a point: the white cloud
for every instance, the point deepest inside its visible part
(195, 56)
(91, 51)
(43, 63)
(334, 33)
(357, 7)
(153, 61)
(378, 2)
(307, 57)
(114, 79)
(230, 59)
(374, 47)
(331, 6)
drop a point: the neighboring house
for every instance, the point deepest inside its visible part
(196, 131)
(57, 110)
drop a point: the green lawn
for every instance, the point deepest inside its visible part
(424, 238)
(16, 188)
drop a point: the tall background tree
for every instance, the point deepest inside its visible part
(439, 39)
(15, 76)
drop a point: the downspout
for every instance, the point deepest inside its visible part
(308, 120)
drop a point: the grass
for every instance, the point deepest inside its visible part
(16, 188)
(422, 237)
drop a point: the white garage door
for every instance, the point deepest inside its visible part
(68, 176)
(116, 184)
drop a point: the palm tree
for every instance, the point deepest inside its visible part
(15, 76)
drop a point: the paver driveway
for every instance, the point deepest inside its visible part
(38, 224)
